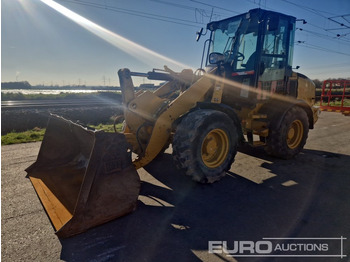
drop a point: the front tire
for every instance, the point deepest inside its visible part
(288, 138)
(205, 144)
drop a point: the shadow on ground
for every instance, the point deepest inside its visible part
(314, 203)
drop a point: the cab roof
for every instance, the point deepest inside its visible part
(257, 12)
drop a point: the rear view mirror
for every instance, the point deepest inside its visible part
(199, 34)
(216, 58)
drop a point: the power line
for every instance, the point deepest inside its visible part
(138, 13)
(194, 23)
(315, 47)
(174, 4)
(214, 6)
(258, 4)
(338, 65)
(312, 10)
(338, 38)
(342, 24)
(205, 13)
(319, 13)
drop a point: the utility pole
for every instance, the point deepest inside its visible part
(104, 80)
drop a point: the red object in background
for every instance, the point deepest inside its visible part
(335, 90)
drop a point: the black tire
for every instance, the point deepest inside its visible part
(205, 144)
(288, 138)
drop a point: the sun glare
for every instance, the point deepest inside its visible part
(136, 50)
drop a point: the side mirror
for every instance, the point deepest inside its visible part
(199, 34)
(216, 58)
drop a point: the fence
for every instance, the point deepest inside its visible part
(335, 96)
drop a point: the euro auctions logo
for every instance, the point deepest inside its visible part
(281, 247)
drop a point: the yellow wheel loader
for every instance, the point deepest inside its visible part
(248, 93)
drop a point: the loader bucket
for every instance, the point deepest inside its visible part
(83, 178)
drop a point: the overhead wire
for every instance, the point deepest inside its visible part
(342, 24)
(214, 6)
(341, 39)
(204, 13)
(338, 65)
(319, 13)
(310, 9)
(168, 19)
(187, 7)
(303, 44)
(186, 22)
(174, 4)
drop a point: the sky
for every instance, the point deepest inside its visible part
(85, 42)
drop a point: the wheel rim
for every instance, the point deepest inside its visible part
(215, 148)
(295, 134)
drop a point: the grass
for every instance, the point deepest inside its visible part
(62, 95)
(335, 103)
(34, 135)
(37, 134)
(108, 127)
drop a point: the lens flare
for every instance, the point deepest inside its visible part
(142, 53)
(136, 50)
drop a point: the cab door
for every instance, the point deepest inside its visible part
(275, 56)
(243, 68)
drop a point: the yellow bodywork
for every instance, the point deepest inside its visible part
(149, 117)
(306, 92)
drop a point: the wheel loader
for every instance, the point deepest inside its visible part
(247, 93)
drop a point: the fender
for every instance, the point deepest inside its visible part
(277, 109)
(225, 109)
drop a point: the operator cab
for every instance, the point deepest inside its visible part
(254, 49)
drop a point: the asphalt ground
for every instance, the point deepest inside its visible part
(261, 197)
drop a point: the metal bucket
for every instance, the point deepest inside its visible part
(83, 178)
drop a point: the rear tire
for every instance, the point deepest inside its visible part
(205, 144)
(289, 137)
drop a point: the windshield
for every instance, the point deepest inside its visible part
(236, 39)
(223, 37)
